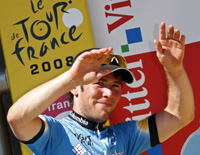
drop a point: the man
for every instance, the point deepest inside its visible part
(95, 81)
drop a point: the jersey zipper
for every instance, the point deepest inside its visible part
(98, 132)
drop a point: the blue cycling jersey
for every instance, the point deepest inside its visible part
(75, 135)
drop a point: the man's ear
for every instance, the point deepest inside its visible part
(74, 91)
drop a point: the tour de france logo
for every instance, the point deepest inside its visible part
(42, 32)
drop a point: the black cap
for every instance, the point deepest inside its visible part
(126, 75)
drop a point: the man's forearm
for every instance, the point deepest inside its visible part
(180, 106)
(37, 100)
(180, 96)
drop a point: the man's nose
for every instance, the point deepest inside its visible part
(107, 92)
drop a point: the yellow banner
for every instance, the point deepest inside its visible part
(40, 39)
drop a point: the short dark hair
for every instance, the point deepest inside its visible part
(70, 97)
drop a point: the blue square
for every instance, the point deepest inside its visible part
(134, 35)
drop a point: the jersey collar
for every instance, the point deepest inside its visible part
(84, 122)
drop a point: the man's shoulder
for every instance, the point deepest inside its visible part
(124, 125)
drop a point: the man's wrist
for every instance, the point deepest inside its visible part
(174, 70)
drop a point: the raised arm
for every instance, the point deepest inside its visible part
(23, 115)
(180, 107)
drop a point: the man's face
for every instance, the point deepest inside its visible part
(97, 101)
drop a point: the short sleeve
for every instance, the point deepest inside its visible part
(51, 137)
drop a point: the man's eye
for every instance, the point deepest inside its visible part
(99, 83)
(116, 86)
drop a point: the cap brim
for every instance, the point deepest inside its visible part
(127, 76)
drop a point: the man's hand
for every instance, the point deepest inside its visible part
(85, 68)
(170, 49)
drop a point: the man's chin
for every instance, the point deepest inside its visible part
(104, 116)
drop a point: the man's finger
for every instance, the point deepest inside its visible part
(158, 46)
(182, 40)
(106, 54)
(177, 35)
(170, 32)
(162, 33)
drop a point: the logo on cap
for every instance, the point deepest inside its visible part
(114, 61)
